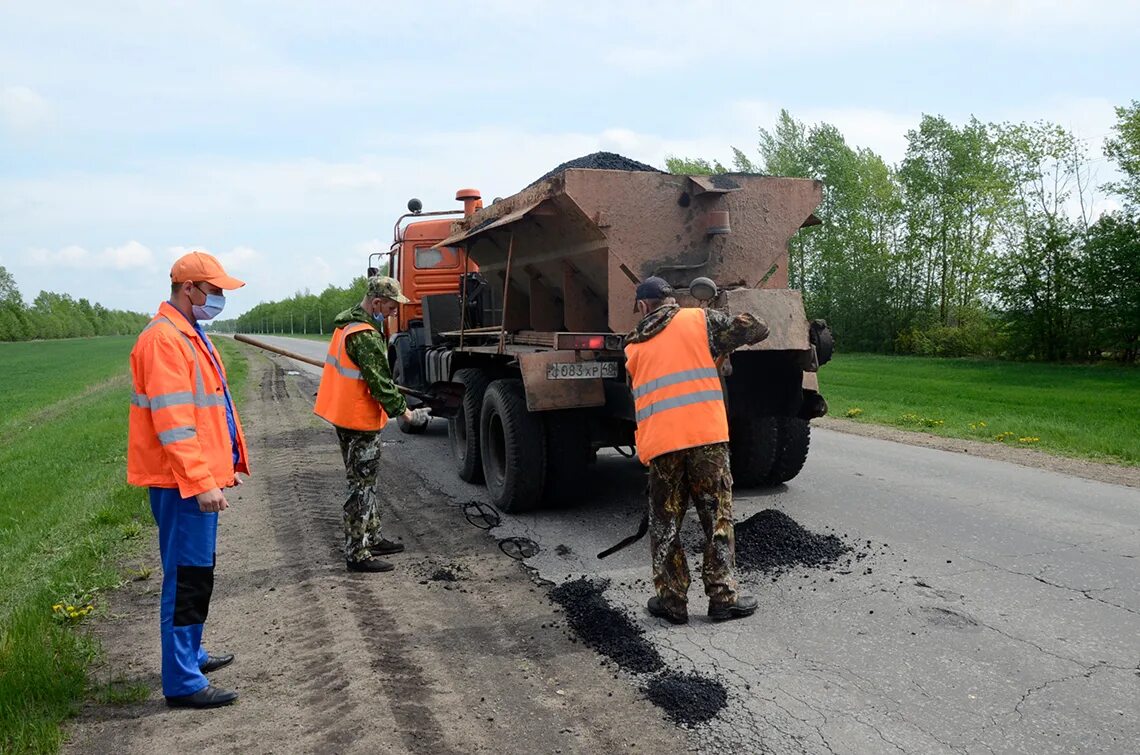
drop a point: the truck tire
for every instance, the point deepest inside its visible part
(795, 437)
(513, 448)
(408, 428)
(463, 431)
(754, 441)
(568, 454)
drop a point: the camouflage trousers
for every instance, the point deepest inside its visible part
(701, 476)
(361, 452)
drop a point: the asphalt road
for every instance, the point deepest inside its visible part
(998, 610)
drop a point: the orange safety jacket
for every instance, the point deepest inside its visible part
(177, 434)
(676, 388)
(343, 398)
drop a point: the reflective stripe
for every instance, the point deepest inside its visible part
(199, 397)
(175, 434)
(178, 398)
(347, 372)
(171, 399)
(683, 400)
(677, 377)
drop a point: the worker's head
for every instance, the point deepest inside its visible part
(651, 294)
(383, 296)
(198, 283)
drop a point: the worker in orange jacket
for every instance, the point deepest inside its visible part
(682, 436)
(186, 445)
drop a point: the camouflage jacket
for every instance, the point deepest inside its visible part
(725, 333)
(368, 351)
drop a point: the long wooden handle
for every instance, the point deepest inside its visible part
(278, 350)
(309, 360)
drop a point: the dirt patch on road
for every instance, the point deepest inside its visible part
(1027, 457)
(330, 661)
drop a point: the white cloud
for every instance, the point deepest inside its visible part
(22, 110)
(129, 256)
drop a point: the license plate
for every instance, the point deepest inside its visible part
(581, 370)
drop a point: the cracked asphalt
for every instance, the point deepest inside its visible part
(1001, 613)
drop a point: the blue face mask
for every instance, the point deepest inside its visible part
(213, 307)
(378, 316)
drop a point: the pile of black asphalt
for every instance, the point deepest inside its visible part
(597, 161)
(687, 698)
(605, 628)
(770, 541)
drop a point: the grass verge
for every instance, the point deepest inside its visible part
(67, 519)
(1086, 411)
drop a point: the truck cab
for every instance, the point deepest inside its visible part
(423, 269)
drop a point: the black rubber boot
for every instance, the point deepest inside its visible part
(745, 605)
(386, 547)
(371, 565)
(657, 608)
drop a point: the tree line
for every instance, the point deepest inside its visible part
(54, 315)
(982, 241)
(299, 314)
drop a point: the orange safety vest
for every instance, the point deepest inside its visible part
(343, 398)
(676, 388)
(177, 433)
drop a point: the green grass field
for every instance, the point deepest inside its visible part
(67, 520)
(1072, 410)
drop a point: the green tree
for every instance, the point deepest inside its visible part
(1112, 275)
(9, 292)
(844, 266)
(955, 189)
(1124, 148)
(1042, 271)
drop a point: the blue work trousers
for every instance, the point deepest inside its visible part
(186, 538)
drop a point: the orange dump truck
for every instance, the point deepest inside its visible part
(525, 302)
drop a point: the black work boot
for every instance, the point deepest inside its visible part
(370, 565)
(215, 662)
(657, 608)
(385, 547)
(745, 605)
(207, 697)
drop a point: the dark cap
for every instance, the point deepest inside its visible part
(653, 288)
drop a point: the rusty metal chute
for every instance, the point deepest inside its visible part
(582, 239)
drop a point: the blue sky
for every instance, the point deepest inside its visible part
(285, 137)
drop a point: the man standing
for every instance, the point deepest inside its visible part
(185, 444)
(682, 436)
(357, 395)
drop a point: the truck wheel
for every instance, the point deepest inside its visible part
(795, 437)
(514, 448)
(568, 454)
(408, 428)
(463, 431)
(753, 446)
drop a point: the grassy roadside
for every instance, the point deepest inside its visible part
(67, 520)
(1085, 411)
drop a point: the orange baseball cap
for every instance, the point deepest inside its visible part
(199, 266)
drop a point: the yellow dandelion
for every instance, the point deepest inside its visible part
(56, 607)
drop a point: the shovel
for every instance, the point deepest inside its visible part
(444, 399)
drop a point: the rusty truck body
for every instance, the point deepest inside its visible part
(526, 301)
